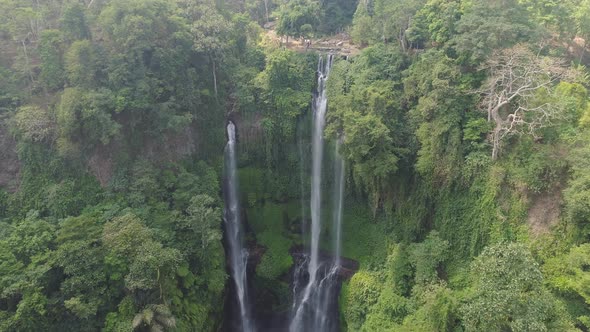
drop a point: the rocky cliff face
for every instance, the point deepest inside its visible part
(171, 147)
(9, 163)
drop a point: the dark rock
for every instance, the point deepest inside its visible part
(348, 266)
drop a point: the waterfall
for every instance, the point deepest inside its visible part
(338, 200)
(314, 305)
(233, 228)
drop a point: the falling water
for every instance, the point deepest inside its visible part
(325, 296)
(338, 200)
(311, 309)
(233, 227)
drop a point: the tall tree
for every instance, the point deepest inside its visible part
(50, 50)
(517, 76)
(487, 25)
(362, 24)
(393, 19)
(434, 84)
(211, 34)
(583, 24)
(74, 23)
(295, 14)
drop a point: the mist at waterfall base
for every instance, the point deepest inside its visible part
(315, 273)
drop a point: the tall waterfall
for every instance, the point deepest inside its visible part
(233, 229)
(314, 305)
(338, 200)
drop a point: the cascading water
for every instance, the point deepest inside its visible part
(233, 227)
(338, 200)
(314, 305)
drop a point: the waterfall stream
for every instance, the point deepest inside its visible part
(338, 200)
(238, 255)
(315, 303)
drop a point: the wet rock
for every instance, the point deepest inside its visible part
(348, 266)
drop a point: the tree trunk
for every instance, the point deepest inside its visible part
(27, 62)
(214, 77)
(494, 113)
(490, 105)
(402, 40)
(266, 10)
(496, 143)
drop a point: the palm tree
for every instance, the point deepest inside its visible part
(154, 318)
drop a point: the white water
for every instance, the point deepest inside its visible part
(311, 309)
(338, 200)
(233, 227)
(325, 294)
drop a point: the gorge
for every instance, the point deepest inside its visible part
(294, 165)
(315, 279)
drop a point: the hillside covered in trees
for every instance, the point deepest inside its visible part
(463, 128)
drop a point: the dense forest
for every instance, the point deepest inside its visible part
(463, 125)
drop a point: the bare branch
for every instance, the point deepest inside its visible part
(516, 77)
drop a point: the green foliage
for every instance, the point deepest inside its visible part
(145, 187)
(360, 294)
(385, 21)
(121, 321)
(146, 44)
(363, 235)
(152, 263)
(202, 224)
(211, 30)
(284, 92)
(435, 82)
(82, 63)
(475, 129)
(74, 22)
(252, 186)
(84, 120)
(427, 256)
(393, 19)
(276, 261)
(387, 313)
(488, 25)
(271, 223)
(577, 209)
(336, 15)
(31, 237)
(124, 236)
(465, 219)
(154, 317)
(437, 309)
(536, 168)
(52, 69)
(581, 13)
(100, 85)
(362, 28)
(400, 270)
(294, 17)
(83, 263)
(509, 294)
(436, 22)
(568, 276)
(33, 124)
(364, 110)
